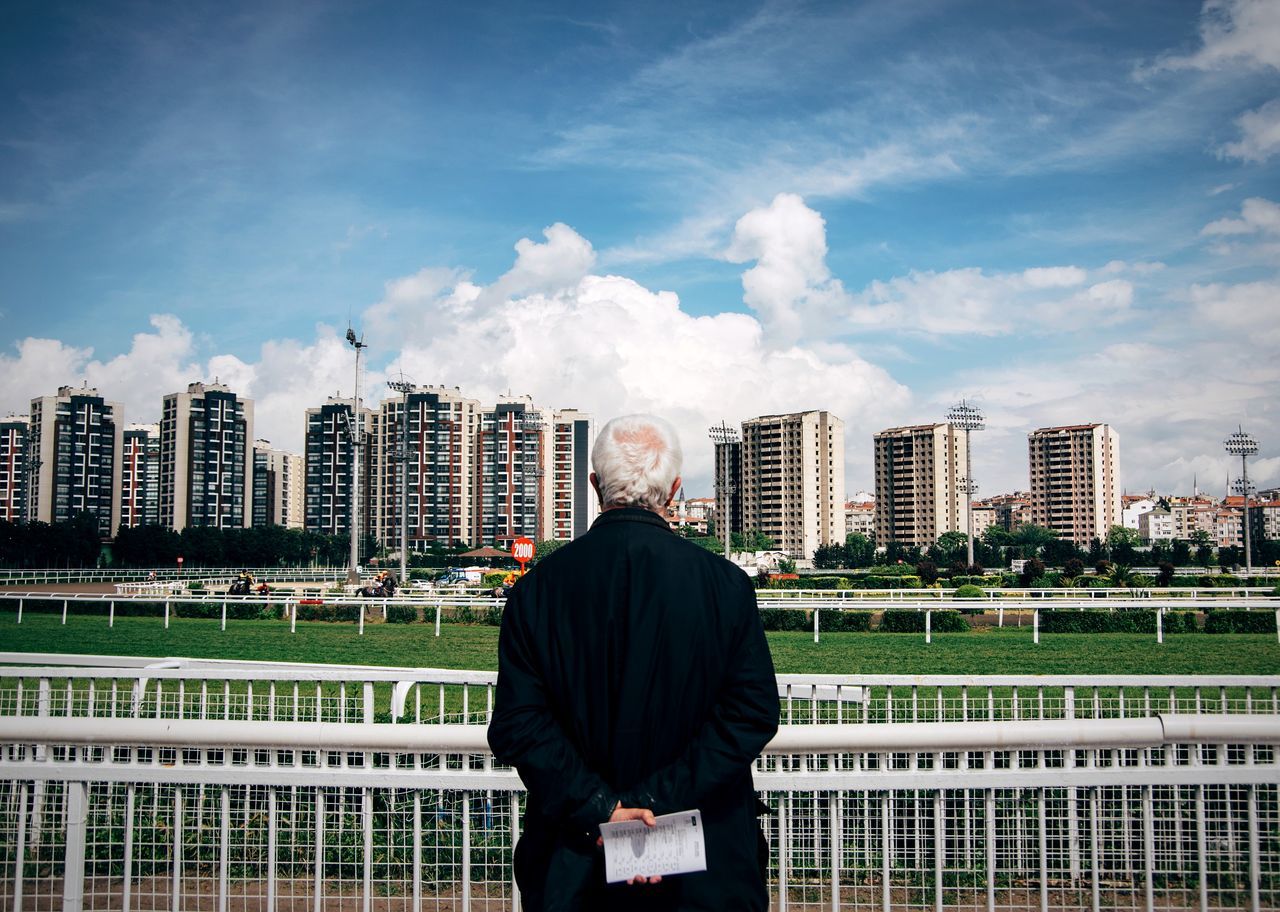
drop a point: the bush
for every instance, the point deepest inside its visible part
(1098, 622)
(236, 611)
(329, 612)
(927, 571)
(969, 591)
(898, 581)
(845, 621)
(1240, 622)
(824, 582)
(785, 619)
(494, 580)
(899, 621)
(402, 614)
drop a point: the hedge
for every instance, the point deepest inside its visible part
(1263, 621)
(1142, 621)
(899, 621)
(845, 621)
(236, 611)
(402, 614)
(328, 612)
(969, 591)
(785, 619)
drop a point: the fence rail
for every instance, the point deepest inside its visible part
(1163, 813)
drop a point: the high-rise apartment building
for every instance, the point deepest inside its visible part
(206, 459)
(920, 471)
(512, 465)
(571, 504)
(279, 484)
(793, 480)
(76, 441)
(13, 467)
(140, 476)
(329, 467)
(440, 427)
(1075, 480)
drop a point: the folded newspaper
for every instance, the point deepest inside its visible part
(674, 846)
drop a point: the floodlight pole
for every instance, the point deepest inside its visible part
(357, 433)
(968, 419)
(1242, 445)
(403, 387)
(723, 435)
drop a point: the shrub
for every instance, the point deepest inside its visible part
(329, 612)
(236, 611)
(402, 614)
(1098, 622)
(1045, 581)
(845, 621)
(1031, 570)
(1240, 622)
(902, 581)
(927, 571)
(899, 621)
(824, 582)
(1166, 574)
(493, 580)
(493, 616)
(784, 619)
(1074, 567)
(969, 591)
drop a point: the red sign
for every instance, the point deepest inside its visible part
(522, 550)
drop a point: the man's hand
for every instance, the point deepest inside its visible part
(619, 814)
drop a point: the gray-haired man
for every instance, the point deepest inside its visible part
(634, 679)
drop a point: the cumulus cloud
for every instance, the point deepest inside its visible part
(789, 281)
(1252, 307)
(1233, 33)
(793, 292)
(1259, 134)
(1257, 216)
(608, 345)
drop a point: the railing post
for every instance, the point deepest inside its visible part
(64, 612)
(438, 603)
(1000, 612)
(224, 850)
(166, 614)
(111, 614)
(361, 607)
(224, 614)
(20, 601)
(815, 624)
(293, 614)
(20, 853)
(73, 870)
(928, 626)
(1035, 626)
(1160, 625)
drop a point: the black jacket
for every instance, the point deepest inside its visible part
(632, 667)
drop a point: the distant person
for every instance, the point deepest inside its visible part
(634, 679)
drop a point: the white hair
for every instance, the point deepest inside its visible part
(636, 459)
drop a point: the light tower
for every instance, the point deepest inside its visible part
(357, 434)
(723, 435)
(1242, 445)
(404, 388)
(967, 418)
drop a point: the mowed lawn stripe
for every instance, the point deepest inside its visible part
(985, 651)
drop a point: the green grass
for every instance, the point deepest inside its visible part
(983, 651)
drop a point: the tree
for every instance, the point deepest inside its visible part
(1030, 538)
(1032, 570)
(1123, 543)
(751, 540)
(1180, 554)
(928, 572)
(1165, 575)
(860, 551)
(953, 546)
(829, 557)
(1074, 568)
(1059, 551)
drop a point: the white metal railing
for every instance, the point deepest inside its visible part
(20, 577)
(1161, 812)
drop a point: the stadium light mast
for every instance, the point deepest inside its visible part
(1242, 445)
(357, 435)
(404, 388)
(723, 435)
(967, 418)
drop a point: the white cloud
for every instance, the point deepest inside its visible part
(790, 280)
(608, 345)
(1251, 308)
(1259, 134)
(1233, 32)
(1257, 216)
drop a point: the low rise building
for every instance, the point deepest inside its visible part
(1156, 525)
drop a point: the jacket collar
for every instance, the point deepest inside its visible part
(630, 514)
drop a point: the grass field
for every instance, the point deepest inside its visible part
(983, 651)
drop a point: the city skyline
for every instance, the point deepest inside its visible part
(1064, 215)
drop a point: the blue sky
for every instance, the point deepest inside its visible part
(1065, 212)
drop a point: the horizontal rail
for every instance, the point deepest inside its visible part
(1152, 731)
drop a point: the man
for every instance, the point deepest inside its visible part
(634, 679)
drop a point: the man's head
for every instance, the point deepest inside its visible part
(637, 463)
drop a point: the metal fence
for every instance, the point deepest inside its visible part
(205, 784)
